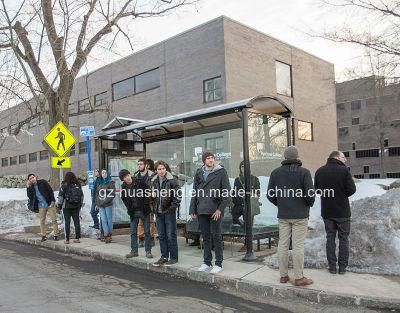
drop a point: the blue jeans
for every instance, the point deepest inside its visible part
(106, 219)
(94, 212)
(147, 236)
(166, 228)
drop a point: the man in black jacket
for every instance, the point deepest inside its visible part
(133, 194)
(334, 182)
(42, 200)
(211, 193)
(291, 189)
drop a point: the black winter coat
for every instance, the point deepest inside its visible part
(291, 176)
(137, 196)
(45, 190)
(335, 175)
(206, 202)
(170, 201)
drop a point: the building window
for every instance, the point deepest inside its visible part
(366, 169)
(72, 150)
(355, 120)
(84, 105)
(386, 142)
(4, 162)
(359, 176)
(394, 151)
(148, 80)
(305, 130)
(375, 175)
(123, 89)
(215, 145)
(82, 147)
(212, 89)
(13, 160)
(370, 153)
(284, 79)
(393, 175)
(341, 106)
(72, 108)
(356, 105)
(33, 157)
(100, 99)
(44, 155)
(353, 145)
(22, 159)
(346, 154)
(343, 131)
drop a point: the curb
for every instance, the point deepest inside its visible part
(239, 285)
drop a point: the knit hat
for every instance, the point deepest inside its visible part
(291, 153)
(123, 173)
(206, 154)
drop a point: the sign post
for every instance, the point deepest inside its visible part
(60, 140)
(88, 131)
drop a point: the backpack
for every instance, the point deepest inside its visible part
(73, 195)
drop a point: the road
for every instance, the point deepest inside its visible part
(43, 281)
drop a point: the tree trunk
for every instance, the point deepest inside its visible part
(58, 111)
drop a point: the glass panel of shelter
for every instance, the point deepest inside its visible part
(267, 142)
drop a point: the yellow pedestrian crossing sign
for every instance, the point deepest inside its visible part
(60, 139)
(61, 162)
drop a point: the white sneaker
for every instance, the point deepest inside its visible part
(203, 268)
(216, 269)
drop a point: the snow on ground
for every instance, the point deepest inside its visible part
(14, 214)
(374, 240)
(375, 231)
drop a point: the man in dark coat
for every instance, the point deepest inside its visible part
(211, 194)
(42, 200)
(133, 194)
(335, 184)
(291, 189)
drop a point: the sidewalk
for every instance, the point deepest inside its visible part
(255, 279)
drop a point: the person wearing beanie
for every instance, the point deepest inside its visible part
(335, 208)
(134, 198)
(209, 199)
(291, 189)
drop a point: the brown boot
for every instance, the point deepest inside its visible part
(284, 279)
(303, 281)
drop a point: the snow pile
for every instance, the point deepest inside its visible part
(14, 214)
(374, 237)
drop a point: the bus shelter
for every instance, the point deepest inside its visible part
(247, 137)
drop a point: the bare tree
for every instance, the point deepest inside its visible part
(375, 25)
(49, 41)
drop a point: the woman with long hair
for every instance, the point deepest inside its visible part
(105, 194)
(70, 200)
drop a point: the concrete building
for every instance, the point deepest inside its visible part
(368, 118)
(218, 62)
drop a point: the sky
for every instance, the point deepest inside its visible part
(288, 20)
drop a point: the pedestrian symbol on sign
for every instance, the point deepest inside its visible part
(61, 138)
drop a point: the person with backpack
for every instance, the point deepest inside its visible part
(105, 194)
(70, 201)
(165, 189)
(42, 201)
